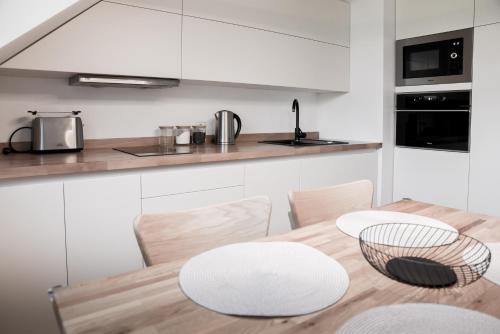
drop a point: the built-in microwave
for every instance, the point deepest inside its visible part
(435, 59)
(439, 121)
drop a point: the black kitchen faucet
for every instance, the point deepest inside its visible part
(298, 132)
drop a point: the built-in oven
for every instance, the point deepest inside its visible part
(435, 59)
(439, 121)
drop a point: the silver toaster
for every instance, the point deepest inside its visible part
(57, 134)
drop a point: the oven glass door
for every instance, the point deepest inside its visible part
(441, 130)
(436, 59)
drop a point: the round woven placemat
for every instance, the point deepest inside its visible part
(421, 319)
(264, 279)
(353, 223)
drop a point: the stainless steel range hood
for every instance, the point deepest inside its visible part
(121, 81)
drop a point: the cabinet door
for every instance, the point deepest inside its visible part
(172, 6)
(485, 136)
(487, 12)
(21, 27)
(99, 226)
(435, 177)
(110, 38)
(322, 20)
(33, 256)
(338, 168)
(215, 51)
(274, 179)
(426, 17)
(191, 200)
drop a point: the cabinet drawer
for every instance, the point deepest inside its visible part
(244, 55)
(190, 179)
(191, 200)
(322, 20)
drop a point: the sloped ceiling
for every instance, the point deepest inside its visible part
(23, 22)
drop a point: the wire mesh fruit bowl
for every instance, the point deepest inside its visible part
(424, 256)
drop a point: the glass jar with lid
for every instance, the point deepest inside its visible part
(199, 133)
(167, 137)
(183, 135)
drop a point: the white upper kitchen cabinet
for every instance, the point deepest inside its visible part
(222, 52)
(20, 27)
(437, 177)
(332, 169)
(484, 193)
(322, 20)
(99, 226)
(33, 255)
(426, 17)
(487, 12)
(110, 38)
(274, 179)
(171, 6)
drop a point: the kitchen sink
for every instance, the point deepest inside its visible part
(304, 142)
(300, 137)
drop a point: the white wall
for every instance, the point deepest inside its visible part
(366, 112)
(126, 112)
(20, 16)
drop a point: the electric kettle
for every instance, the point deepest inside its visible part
(224, 127)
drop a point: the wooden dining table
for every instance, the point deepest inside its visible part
(150, 300)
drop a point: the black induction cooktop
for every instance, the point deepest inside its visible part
(151, 151)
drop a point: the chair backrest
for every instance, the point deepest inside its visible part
(313, 206)
(171, 236)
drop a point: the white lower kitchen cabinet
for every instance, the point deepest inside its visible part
(189, 179)
(100, 212)
(337, 168)
(485, 135)
(191, 200)
(274, 179)
(74, 229)
(437, 177)
(33, 255)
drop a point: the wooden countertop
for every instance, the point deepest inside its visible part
(150, 301)
(101, 157)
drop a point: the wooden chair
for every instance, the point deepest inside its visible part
(313, 206)
(170, 236)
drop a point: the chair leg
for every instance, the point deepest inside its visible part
(52, 299)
